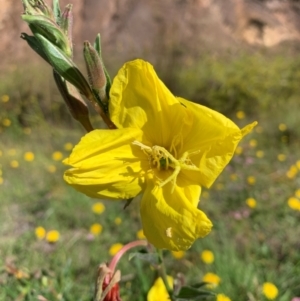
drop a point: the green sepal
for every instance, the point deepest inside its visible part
(56, 11)
(35, 45)
(50, 30)
(97, 46)
(65, 66)
(75, 103)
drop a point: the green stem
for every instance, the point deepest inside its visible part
(163, 274)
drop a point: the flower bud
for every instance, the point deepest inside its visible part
(95, 70)
(37, 7)
(66, 22)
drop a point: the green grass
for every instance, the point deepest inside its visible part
(251, 246)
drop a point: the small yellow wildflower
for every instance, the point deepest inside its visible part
(12, 152)
(5, 98)
(207, 256)
(1, 180)
(57, 156)
(27, 131)
(178, 254)
(298, 164)
(233, 177)
(253, 143)
(220, 186)
(270, 291)
(118, 221)
(282, 127)
(281, 157)
(212, 279)
(251, 202)
(260, 154)
(251, 180)
(140, 234)
(158, 291)
(259, 129)
(40, 233)
(114, 249)
(187, 144)
(29, 156)
(240, 114)
(6, 122)
(20, 274)
(239, 150)
(292, 172)
(96, 229)
(51, 168)
(52, 236)
(222, 297)
(294, 203)
(68, 146)
(297, 193)
(14, 164)
(98, 208)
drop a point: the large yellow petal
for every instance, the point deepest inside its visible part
(107, 165)
(139, 99)
(214, 138)
(171, 220)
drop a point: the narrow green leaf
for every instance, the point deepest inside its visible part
(64, 66)
(200, 284)
(34, 44)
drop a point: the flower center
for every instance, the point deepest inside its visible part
(161, 159)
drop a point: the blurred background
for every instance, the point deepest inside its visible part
(239, 57)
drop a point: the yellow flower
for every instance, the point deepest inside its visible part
(212, 279)
(282, 127)
(118, 220)
(294, 203)
(240, 114)
(29, 156)
(40, 233)
(281, 157)
(6, 122)
(57, 156)
(158, 291)
(251, 202)
(114, 249)
(292, 172)
(222, 297)
(96, 229)
(260, 154)
(140, 234)
(98, 208)
(270, 291)
(165, 147)
(14, 164)
(178, 254)
(298, 164)
(251, 180)
(51, 168)
(52, 236)
(253, 143)
(238, 150)
(68, 146)
(207, 256)
(297, 193)
(5, 98)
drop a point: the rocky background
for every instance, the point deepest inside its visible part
(164, 31)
